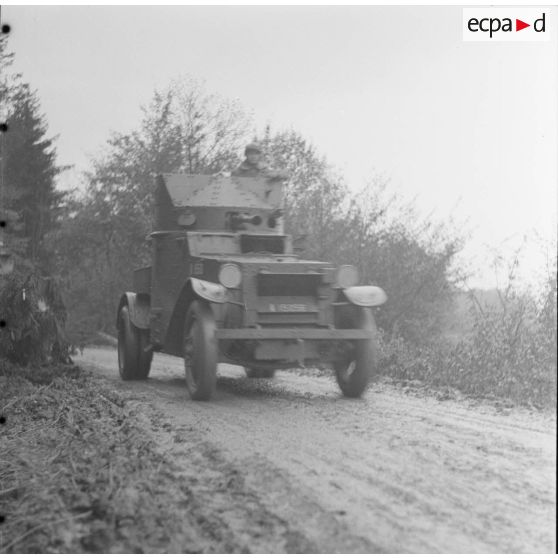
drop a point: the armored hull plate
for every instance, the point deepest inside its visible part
(187, 190)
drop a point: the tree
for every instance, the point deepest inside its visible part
(8, 81)
(314, 195)
(8, 218)
(29, 201)
(29, 172)
(410, 257)
(213, 129)
(183, 128)
(33, 308)
(103, 237)
(123, 174)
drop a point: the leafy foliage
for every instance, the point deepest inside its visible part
(96, 251)
(313, 194)
(34, 312)
(410, 257)
(103, 235)
(183, 128)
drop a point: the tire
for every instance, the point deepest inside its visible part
(260, 372)
(145, 355)
(200, 351)
(354, 372)
(134, 362)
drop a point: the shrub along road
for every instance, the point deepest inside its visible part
(287, 465)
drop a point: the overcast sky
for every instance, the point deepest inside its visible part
(469, 129)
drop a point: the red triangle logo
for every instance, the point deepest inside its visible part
(519, 25)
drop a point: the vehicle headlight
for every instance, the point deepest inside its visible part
(230, 275)
(347, 276)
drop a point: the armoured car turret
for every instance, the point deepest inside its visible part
(225, 286)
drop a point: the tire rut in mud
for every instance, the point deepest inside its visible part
(227, 514)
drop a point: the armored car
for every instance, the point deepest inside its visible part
(226, 286)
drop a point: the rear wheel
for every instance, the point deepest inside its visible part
(134, 356)
(354, 371)
(200, 351)
(260, 372)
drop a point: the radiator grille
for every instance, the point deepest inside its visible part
(296, 284)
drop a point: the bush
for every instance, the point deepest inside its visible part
(508, 353)
(34, 316)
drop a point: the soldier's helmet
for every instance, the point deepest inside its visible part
(256, 147)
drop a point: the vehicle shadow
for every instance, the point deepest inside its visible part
(237, 384)
(269, 388)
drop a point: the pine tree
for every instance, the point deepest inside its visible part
(29, 169)
(30, 301)
(6, 217)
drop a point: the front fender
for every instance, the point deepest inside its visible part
(212, 292)
(193, 288)
(139, 308)
(365, 295)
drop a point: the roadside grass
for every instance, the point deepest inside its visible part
(506, 358)
(77, 474)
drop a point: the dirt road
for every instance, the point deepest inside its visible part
(289, 465)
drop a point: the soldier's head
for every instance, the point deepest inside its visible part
(253, 153)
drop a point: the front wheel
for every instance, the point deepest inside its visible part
(200, 351)
(134, 355)
(355, 370)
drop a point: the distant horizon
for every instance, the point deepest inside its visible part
(468, 130)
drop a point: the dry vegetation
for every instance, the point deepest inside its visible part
(84, 471)
(77, 473)
(506, 352)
